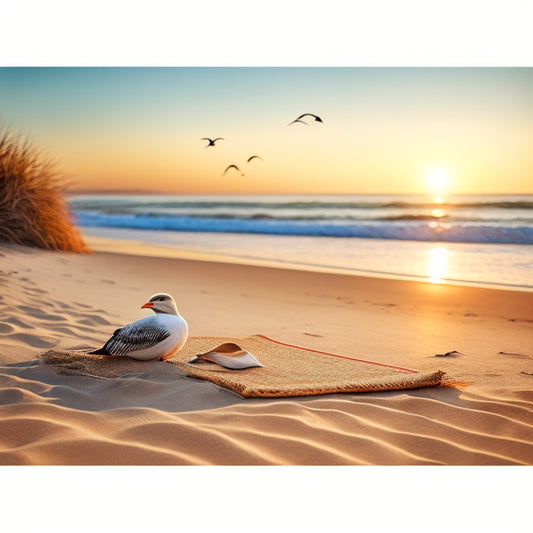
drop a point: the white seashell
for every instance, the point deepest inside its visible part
(228, 355)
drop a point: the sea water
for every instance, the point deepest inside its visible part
(477, 239)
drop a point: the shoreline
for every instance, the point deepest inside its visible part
(140, 247)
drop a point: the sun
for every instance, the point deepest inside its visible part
(437, 179)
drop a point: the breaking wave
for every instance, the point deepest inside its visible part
(426, 229)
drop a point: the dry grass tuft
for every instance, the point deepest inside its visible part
(33, 210)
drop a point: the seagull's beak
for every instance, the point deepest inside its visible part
(148, 305)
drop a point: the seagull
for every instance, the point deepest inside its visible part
(316, 117)
(253, 157)
(235, 167)
(211, 141)
(151, 337)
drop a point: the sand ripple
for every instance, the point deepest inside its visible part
(388, 429)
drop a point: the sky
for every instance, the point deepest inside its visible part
(384, 130)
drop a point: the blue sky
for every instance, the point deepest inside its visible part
(384, 129)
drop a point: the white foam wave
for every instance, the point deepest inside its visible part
(399, 229)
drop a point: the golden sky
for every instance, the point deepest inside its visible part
(384, 130)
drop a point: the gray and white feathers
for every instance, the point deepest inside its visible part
(152, 337)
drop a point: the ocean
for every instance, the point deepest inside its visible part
(472, 239)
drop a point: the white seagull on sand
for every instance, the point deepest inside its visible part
(152, 337)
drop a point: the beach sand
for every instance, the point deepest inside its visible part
(158, 416)
(71, 301)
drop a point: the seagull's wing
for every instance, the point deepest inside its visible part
(235, 167)
(316, 117)
(206, 139)
(218, 139)
(297, 120)
(138, 335)
(254, 157)
(230, 166)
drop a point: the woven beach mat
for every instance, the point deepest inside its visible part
(82, 363)
(297, 371)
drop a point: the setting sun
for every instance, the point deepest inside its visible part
(437, 179)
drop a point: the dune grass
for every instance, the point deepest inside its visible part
(33, 209)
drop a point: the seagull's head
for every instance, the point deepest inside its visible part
(161, 303)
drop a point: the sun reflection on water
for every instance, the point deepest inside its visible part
(437, 266)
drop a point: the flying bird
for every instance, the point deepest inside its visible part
(233, 166)
(151, 337)
(211, 141)
(316, 117)
(253, 157)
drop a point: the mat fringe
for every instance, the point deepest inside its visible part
(81, 363)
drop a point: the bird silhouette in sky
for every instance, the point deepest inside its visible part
(299, 119)
(211, 141)
(253, 157)
(232, 166)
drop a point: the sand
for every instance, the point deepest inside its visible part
(158, 416)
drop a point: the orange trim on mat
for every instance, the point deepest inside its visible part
(335, 354)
